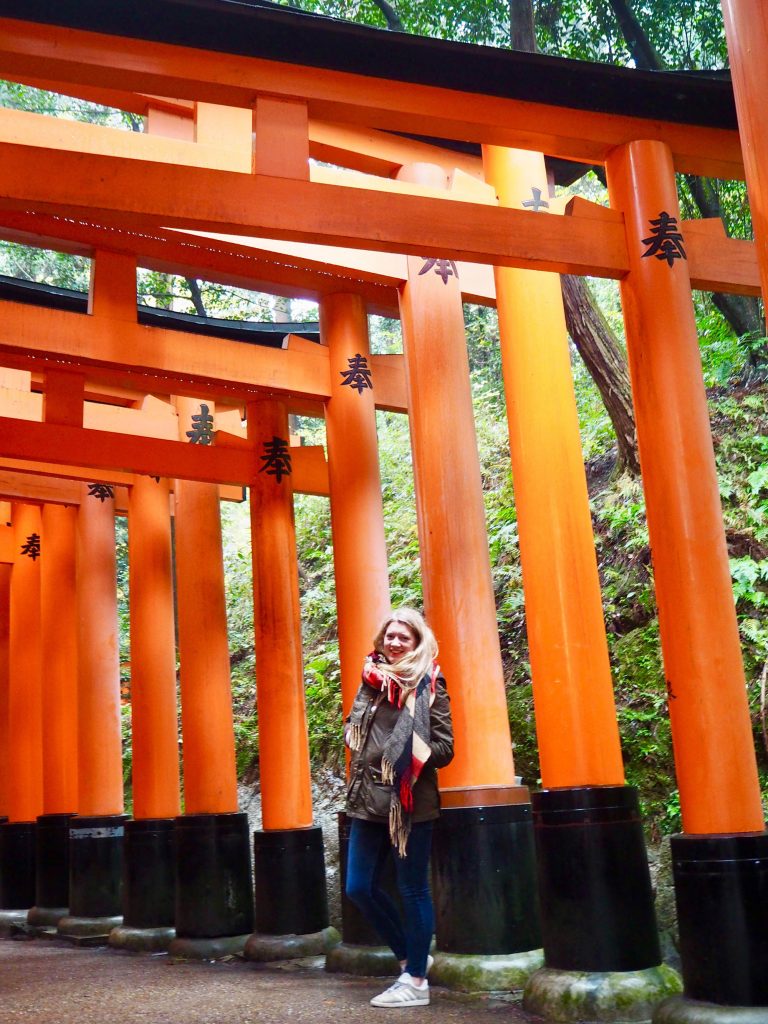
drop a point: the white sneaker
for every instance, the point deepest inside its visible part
(403, 993)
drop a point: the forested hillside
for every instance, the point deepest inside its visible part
(656, 34)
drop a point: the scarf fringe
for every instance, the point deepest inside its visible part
(399, 827)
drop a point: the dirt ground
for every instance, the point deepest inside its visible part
(50, 982)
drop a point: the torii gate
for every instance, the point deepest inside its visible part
(119, 196)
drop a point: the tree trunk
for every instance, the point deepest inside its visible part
(598, 347)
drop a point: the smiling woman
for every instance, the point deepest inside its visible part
(399, 732)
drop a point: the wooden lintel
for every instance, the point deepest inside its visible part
(107, 451)
(152, 196)
(153, 359)
(68, 55)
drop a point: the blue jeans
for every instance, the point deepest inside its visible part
(367, 853)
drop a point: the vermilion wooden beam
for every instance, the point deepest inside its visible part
(152, 359)
(101, 449)
(224, 262)
(148, 195)
(365, 101)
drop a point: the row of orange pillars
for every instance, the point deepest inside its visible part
(565, 870)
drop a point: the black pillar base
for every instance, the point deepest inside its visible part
(594, 884)
(96, 866)
(149, 878)
(484, 880)
(52, 867)
(17, 865)
(214, 894)
(289, 875)
(721, 891)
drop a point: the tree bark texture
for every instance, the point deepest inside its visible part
(607, 365)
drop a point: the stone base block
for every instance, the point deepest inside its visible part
(208, 949)
(267, 948)
(87, 931)
(141, 940)
(46, 917)
(365, 961)
(10, 920)
(500, 972)
(615, 996)
(679, 1010)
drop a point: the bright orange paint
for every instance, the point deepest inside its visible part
(63, 397)
(154, 721)
(122, 63)
(575, 714)
(210, 782)
(58, 603)
(711, 732)
(282, 138)
(113, 286)
(140, 194)
(456, 571)
(286, 796)
(357, 515)
(25, 697)
(5, 623)
(100, 766)
(746, 29)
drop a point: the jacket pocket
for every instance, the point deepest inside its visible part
(378, 794)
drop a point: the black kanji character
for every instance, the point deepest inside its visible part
(665, 242)
(101, 491)
(32, 548)
(443, 268)
(277, 458)
(202, 427)
(358, 376)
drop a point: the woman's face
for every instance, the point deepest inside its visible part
(399, 640)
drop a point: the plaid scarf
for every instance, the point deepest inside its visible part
(407, 750)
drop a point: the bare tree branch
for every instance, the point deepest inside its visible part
(394, 24)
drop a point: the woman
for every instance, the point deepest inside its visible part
(399, 732)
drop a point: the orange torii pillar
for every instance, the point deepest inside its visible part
(359, 544)
(746, 29)
(289, 860)
(720, 863)
(491, 909)
(5, 623)
(592, 920)
(59, 630)
(357, 513)
(150, 849)
(214, 896)
(96, 835)
(25, 718)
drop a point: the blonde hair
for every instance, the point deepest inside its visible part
(416, 663)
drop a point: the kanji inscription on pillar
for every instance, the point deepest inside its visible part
(443, 268)
(202, 426)
(276, 458)
(358, 376)
(101, 491)
(32, 546)
(665, 241)
(537, 203)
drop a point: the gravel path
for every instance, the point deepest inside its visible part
(49, 982)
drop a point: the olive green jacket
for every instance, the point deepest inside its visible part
(367, 796)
